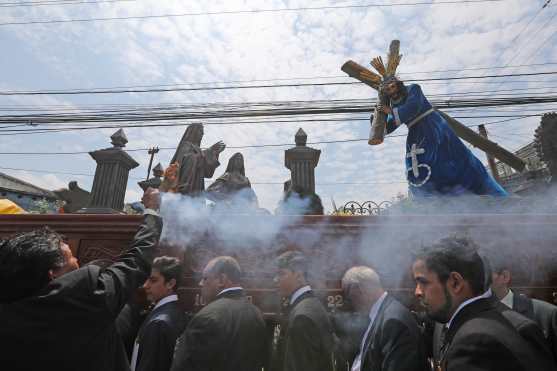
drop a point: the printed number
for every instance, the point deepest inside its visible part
(335, 301)
(199, 300)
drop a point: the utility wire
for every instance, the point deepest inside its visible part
(543, 43)
(296, 121)
(302, 78)
(48, 3)
(231, 112)
(231, 87)
(111, 107)
(519, 48)
(257, 183)
(247, 11)
(255, 145)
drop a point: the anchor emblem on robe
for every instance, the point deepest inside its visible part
(415, 168)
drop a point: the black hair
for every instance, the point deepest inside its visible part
(294, 261)
(25, 260)
(229, 266)
(170, 268)
(403, 92)
(455, 254)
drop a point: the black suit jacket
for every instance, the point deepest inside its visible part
(69, 324)
(226, 334)
(481, 338)
(544, 314)
(128, 323)
(308, 336)
(527, 328)
(157, 337)
(394, 342)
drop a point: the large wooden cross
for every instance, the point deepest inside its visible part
(375, 80)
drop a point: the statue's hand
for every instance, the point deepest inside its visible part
(218, 146)
(385, 109)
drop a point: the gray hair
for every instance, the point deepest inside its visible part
(362, 276)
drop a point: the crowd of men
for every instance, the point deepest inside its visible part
(57, 316)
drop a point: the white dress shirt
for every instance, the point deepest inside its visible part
(485, 295)
(356, 366)
(230, 289)
(508, 299)
(163, 301)
(302, 290)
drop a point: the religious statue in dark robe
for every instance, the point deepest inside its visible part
(192, 164)
(233, 188)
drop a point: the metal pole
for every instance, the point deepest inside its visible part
(152, 151)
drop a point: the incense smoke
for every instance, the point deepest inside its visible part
(514, 228)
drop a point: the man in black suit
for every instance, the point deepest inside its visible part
(229, 332)
(154, 345)
(392, 340)
(541, 312)
(307, 340)
(450, 282)
(527, 328)
(55, 316)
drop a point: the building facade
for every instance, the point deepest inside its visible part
(26, 195)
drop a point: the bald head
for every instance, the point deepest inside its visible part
(220, 273)
(362, 276)
(362, 287)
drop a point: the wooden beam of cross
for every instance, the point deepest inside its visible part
(373, 80)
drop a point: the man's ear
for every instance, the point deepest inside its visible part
(171, 284)
(300, 277)
(506, 276)
(223, 279)
(455, 282)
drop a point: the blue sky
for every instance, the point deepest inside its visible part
(259, 46)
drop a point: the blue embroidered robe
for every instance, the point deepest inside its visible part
(447, 167)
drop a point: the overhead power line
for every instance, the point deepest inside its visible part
(297, 121)
(535, 52)
(287, 79)
(257, 183)
(57, 2)
(231, 87)
(256, 145)
(520, 48)
(248, 11)
(254, 112)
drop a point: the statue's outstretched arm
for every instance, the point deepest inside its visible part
(218, 147)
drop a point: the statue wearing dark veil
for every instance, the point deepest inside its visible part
(233, 187)
(193, 163)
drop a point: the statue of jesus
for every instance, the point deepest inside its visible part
(193, 163)
(437, 161)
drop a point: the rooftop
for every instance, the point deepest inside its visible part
(9, 183)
